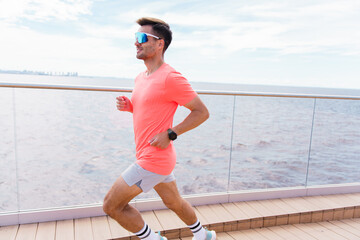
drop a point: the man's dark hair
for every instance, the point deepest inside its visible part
(159, 27)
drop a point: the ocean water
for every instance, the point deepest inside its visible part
(64, 148)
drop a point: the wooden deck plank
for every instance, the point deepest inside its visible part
(349, 212)
(235, 211)
(239, 235)
(268, 234)
(151, 219)
(253, 234)
(338, 208)
(258, 207)
(304, 208)
(207, 213)
(293, 203)
(319, 231)
(316, 209)
(351, 226)
(118, 231)
(83, 229)
(269, 218)
(282, 204)
(169, 220)
(243, 221)
(46, 231)
(101, 228)
(356, 220)
(342, 200)
(309, 202)
(211, 217)
(202, 220)
(27, 232)
(355, 197)
(9, 232)
(337, 229)
(285, 234)
(345, 206)
(289, 215)
(248, 210)
(273, 207)
(222, 214)
(327, 207)
(329, 200)
(357, 212)
(65, 230)
(308, 231)
(223, 236)
(298, 232)
(229, 221)
(323, 203)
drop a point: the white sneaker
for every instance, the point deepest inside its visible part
(161, 237)
(210, 235)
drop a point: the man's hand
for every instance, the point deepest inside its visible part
(160, 140)
(124, 104)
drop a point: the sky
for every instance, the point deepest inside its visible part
(313, 43)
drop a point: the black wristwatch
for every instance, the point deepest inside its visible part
(172, 135)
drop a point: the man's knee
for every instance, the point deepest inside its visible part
(174, 204)
(111, 205)
(118, 197)
(108, 206)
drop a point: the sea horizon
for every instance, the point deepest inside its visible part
(197, 85)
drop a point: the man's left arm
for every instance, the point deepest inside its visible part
(199, 114)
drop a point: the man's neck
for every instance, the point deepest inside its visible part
(153, 64)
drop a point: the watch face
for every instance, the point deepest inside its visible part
(172, 134)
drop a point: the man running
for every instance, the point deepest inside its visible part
(157, 93)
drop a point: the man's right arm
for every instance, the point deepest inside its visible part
(124, 104)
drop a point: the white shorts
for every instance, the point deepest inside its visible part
(144, 179)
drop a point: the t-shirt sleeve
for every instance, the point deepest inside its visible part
(178, 89)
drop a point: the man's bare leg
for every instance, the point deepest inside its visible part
(116, 205)
(171, 197)
(173, 200)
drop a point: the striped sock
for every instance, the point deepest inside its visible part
(147, 234)
(198, 230)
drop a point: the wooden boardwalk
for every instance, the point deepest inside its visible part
(317, 217)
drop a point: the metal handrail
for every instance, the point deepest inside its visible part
(205, 92)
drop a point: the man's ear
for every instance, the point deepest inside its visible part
(161, 43)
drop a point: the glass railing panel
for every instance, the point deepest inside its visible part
(203, 153)
(335, 152)
(271, 142)
(72, 145)
(8, 181)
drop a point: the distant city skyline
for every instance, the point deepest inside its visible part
(32, 72)
(314, 43)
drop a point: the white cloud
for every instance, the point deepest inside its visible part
(208, 30)
(27, 49)
(42, 10)
(301, 27)
(108, 31)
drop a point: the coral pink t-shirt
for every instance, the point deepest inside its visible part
(155, 99)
